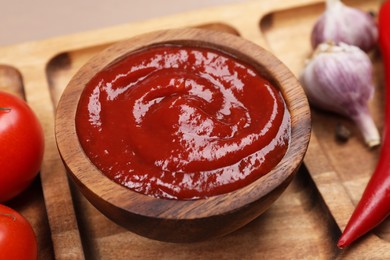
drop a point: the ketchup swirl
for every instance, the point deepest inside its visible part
(182, 122)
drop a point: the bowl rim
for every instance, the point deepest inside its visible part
(90, 179)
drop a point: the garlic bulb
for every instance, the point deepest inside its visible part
(338, 78)
(341, 23)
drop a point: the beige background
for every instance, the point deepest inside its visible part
(27, 20)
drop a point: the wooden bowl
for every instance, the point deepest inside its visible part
(184, 220)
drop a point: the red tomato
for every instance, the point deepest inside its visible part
(17, 238)
(21, 146)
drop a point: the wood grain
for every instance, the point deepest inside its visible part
(11, 81)
(174, 220)
(62, 220)
(302, 222)
(30, 203)
(340, 170)
(105, 240)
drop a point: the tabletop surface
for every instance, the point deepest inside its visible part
(322, 194)
(35, 20)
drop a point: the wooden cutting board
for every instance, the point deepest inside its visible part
(304, 223)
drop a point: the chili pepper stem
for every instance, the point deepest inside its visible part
(5, 109)
(366, 125)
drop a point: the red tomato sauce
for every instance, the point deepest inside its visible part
(182, 122)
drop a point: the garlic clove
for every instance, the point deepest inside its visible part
(341, 23)
(338, 78)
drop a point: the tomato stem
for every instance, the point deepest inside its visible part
(5, 109)
(8, 215)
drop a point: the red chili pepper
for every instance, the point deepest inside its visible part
(374, 205)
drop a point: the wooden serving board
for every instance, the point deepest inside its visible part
(304, 223)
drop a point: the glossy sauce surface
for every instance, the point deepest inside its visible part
(182, 122)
